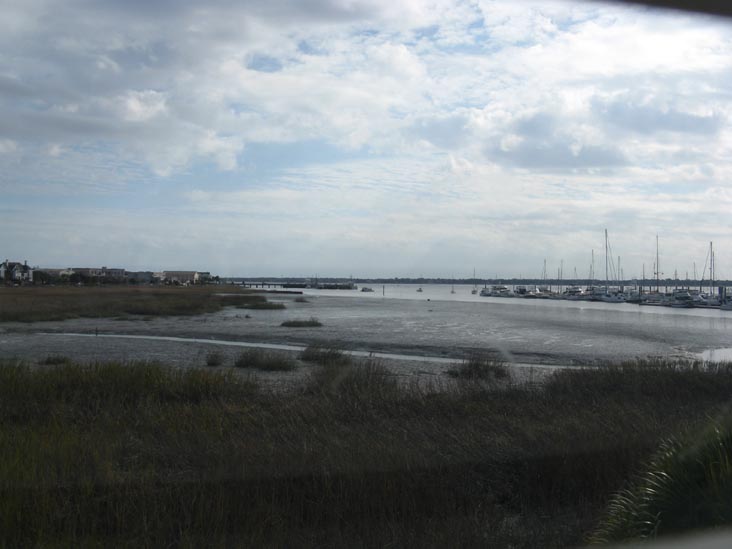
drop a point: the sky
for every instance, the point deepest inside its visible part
(364, 137)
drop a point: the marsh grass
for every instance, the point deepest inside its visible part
(686, 485)
(55, 360)
(215, 358)
(142, 455)
(479, 367)
(324, 354)
(360, 383)
(312, 322)
(261, 359)
(31, 304)
(264, 305)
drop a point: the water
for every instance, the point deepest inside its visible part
(716, 355)
(436, 323)
(547, 331)
(442, 292)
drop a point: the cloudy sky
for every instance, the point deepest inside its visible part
(364, 137)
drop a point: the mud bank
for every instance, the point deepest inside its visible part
(430, 333)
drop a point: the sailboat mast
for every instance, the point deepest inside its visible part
(606, 272)
(711, 269)
(618, 274)
(643, 281)
(658, 269)
(592, 268)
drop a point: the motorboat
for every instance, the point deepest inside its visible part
(681, 299)
(499, 290)
(655, 299)
(520, 291)
(573, 293)
(367, 289)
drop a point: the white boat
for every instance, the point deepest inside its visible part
(544, 292)
(613, 295)
(520, 291)
(573, 293)
(706, 301)
(419, 289)
(682, 299)
(367, 289)
(655, 299)
(499, 290)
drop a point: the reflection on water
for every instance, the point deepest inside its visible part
(442, 292)
(717, 355)
(521, 329)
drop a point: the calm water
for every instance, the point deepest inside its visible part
(435, 323)
(534, 330)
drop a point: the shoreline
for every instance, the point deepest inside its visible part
(412, 335)
(191, 353)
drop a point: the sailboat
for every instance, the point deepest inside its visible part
(475, 286)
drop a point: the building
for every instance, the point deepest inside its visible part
(55, 273)
(14, 271)
(139, 277)
(179, 277)
(103, 272)
(201, 277)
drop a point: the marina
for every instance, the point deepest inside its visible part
(680, 297)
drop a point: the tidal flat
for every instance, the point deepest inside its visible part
(518, 331)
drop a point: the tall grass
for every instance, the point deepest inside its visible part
(687, 485)
(324, 354)
(31, 304)
(261, 359)
(478, 367)
(312, 322)
(139, 454)
(215, 358)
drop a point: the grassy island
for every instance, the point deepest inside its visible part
(31, 304)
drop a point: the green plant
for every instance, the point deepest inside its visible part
(139, 454)
(55, 360)
(214, 358)
(268, 305)
(323, 354)
(40, 303)
(480, 367)
(312, 322)
(687, 485)
(260, 359)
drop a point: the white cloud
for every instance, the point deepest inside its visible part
(8, 146)
(141, 106)
(502, 125)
